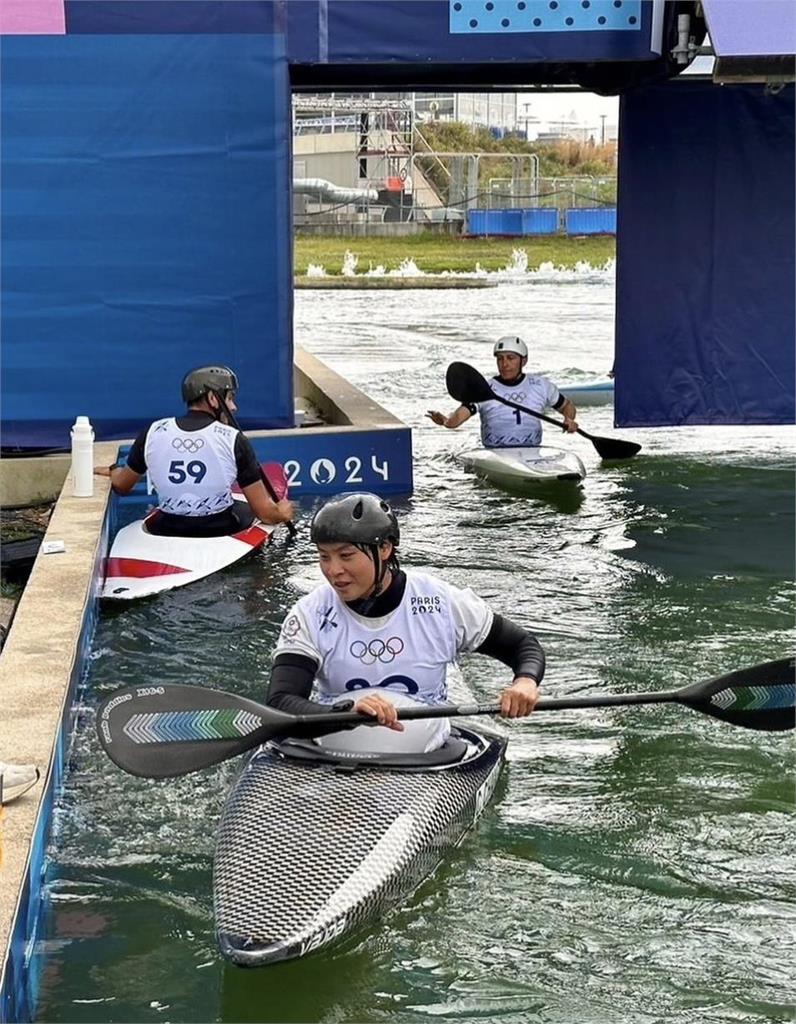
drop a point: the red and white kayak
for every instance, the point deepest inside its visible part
(141, 563)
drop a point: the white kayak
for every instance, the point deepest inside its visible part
(141, 563)
(596, 392)
(540, 465)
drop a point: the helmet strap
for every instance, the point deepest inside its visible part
(223, 408)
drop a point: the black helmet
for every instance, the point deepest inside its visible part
(203, 379)
(356, 517)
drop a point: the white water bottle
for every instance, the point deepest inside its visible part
(82, 458)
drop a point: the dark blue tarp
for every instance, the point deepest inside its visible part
(705, 256)
(145, 228)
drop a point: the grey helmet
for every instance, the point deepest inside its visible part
(356, 517)
(204, 379)
(362, 519)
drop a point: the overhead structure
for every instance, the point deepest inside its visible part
(147, 179)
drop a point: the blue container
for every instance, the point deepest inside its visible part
(598, 221)
(512, 222)
(540, 222)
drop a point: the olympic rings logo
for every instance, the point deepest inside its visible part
(517, 396)
(188, 444)
(384, 651)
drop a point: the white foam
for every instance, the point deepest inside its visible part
(516, 271)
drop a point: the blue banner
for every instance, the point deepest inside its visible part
(705, 256)
(145, 230)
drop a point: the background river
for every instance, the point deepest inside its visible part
(637, 865)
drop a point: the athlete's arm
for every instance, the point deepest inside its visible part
(523, 653)
(456, 418)
(567, 409)
(268, 511)
(124, 478)
(251, 483)
(290, 685)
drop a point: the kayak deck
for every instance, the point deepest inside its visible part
(540, 465)
(141, 563)
(309, 849)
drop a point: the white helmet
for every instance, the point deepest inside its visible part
(511, 343)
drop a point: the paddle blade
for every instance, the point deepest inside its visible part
(613, 447)
(762, 697)
(466, 385)
(162, 731)
(275, 475)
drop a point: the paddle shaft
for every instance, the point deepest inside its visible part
(161, 731)
(268, 485)
(344, 719)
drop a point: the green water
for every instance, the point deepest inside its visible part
(637, 864)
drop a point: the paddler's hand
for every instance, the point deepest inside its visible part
(520, 698)
(284, 510)
(571, 426)
(437, 417)
(381, 708)
(102, 471)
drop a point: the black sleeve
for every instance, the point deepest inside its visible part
(246, 461)
(136, 459)
(515, 647)
(561, 399)
(291, 685)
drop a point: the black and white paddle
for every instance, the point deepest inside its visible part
(160, 731)
(466, 385)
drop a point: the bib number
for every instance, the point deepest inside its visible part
(179, 471)
(396, 682)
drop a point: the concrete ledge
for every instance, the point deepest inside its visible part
(338, 401)
(36, 668)
(32, 481)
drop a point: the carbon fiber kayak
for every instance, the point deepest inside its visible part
(313, 844)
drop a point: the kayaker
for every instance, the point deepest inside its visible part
(374, 637)
(194, 459)
(504, 427)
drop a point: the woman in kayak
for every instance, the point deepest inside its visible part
(194, 459)
(501, 426)
(374, 638)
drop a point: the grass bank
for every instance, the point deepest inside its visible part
(434, 253)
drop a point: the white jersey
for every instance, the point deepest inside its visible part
(405, 652)
(192, 470)
(504, 427)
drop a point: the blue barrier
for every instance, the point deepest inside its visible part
(598, 221)
(540, 222)
(512, 222)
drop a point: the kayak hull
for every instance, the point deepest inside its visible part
(311, 848)
(141, 563)
(525, 466)
(596, 392)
